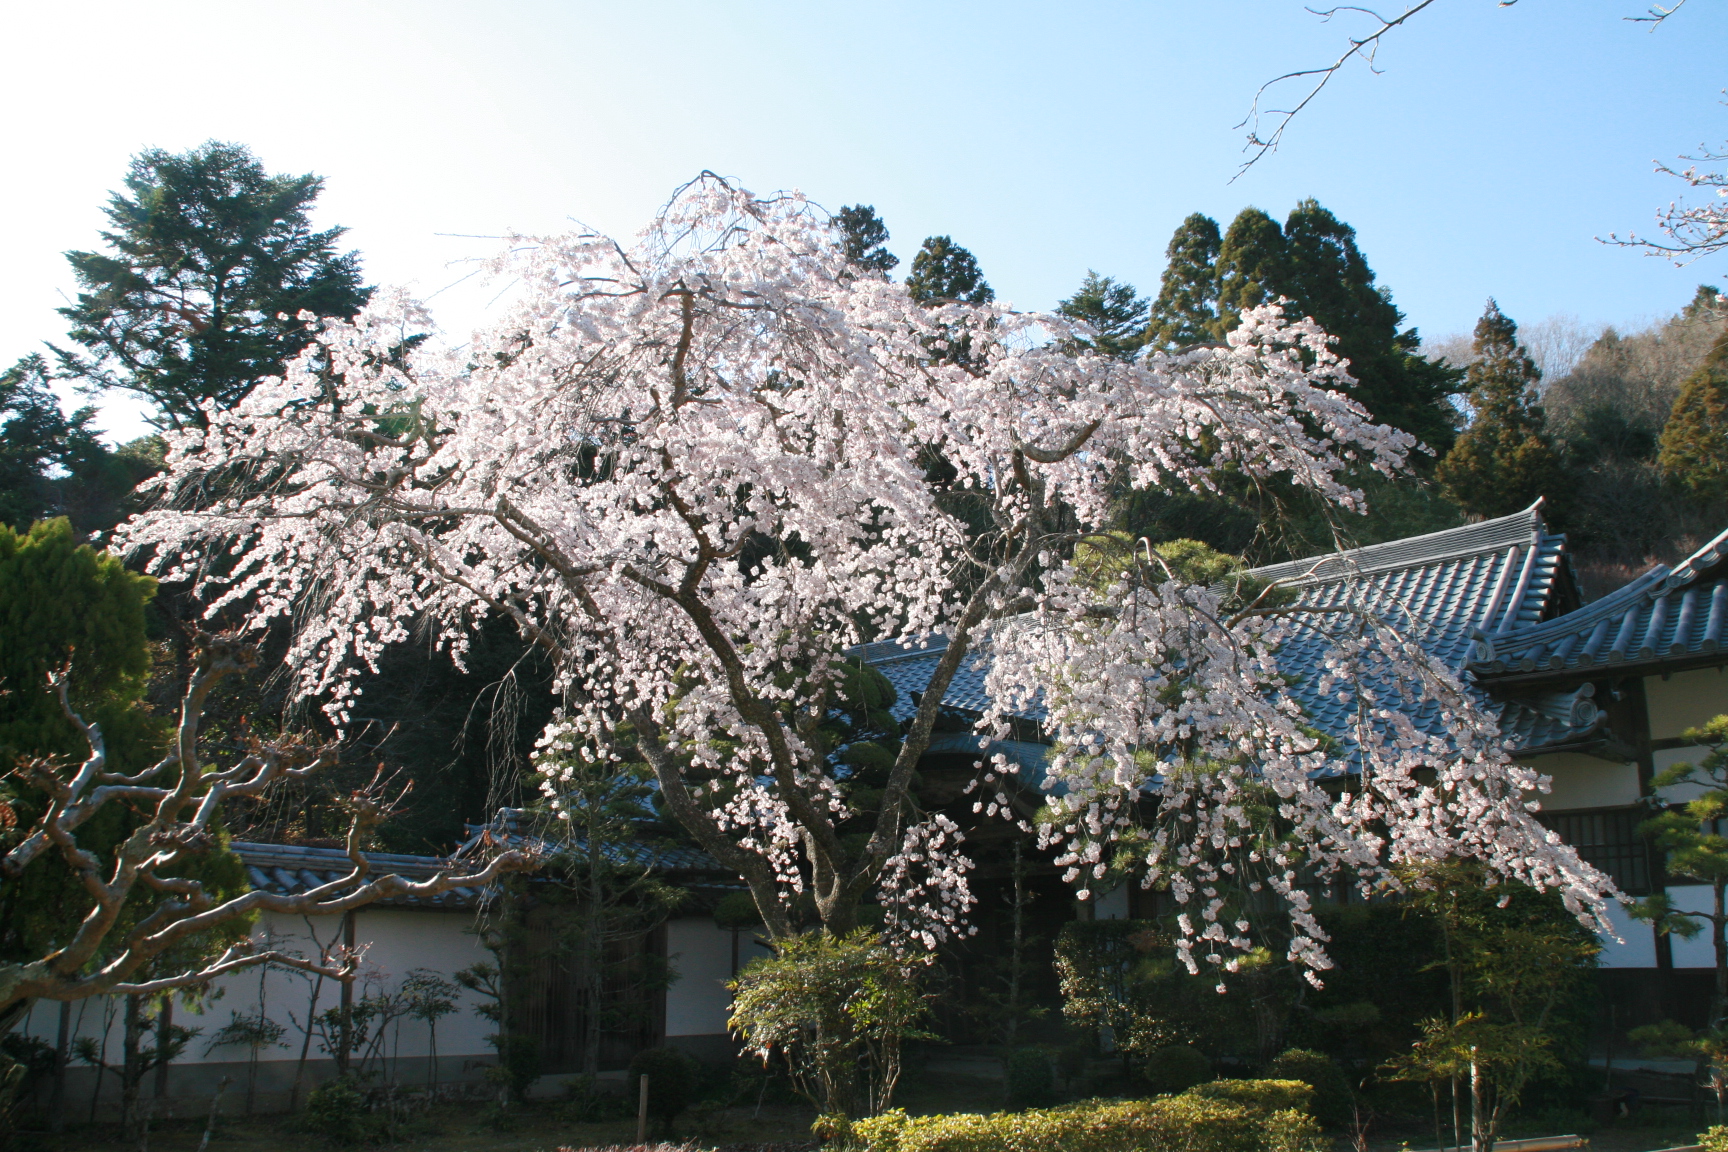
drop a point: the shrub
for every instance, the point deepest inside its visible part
(1031, 1079)
(837, 1009)
(672, 1081)
(1332, 1095)
(1170, 1124)
(1176, 1068)
(336, 1110)
(1714, 1140)
(1259, 1095)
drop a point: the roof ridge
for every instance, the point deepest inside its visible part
(1412, 551)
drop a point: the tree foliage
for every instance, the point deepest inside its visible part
(1114, 312)
(864, 238)
(1505, 459)
(943, 271)
(1694, 446)
(1186, 311)
(694, 473)
(210, 262)
(1691, 836)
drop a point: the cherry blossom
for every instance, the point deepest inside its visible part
(700, 467)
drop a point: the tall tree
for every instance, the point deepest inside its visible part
(864, 238)
(1253, 268)
(942, 270)
(1186, 311)
(36, 436)
(210, 262)
(1330, 280)
(52, 464)
(702, 590)
(1505, 459)
(1695, 440)
(1116, 314)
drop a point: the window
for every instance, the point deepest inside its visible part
(1609, 840)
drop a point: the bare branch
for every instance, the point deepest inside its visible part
(168, 837)
(1364, 48)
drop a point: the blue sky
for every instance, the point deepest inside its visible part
(1484, 159)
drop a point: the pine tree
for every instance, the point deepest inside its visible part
(864, 237)
(1328, 278)
(943, 270)
(1504, 460)
(1253, 268)
(1117, 315)
(211, 261)
(1186, 311)
(1694, 451)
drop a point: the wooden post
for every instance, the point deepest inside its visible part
(62, 1057)
(642, 1111)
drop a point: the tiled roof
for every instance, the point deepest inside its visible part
(289, 869)
(1446, 589)
(1663, 615)
(507, 829)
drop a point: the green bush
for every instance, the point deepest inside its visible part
(1176, 1068)
(1031, 1079)
(1169, 1124)
(672, 1082)
(1715, 1139)
(1259, 1095)
(336, 1110)
(1332, 1095)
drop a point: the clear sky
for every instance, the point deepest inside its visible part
(1493, 147)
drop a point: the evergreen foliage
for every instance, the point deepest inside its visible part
(1116, 313)
(1235, 1118)
(942, 270)
(1694, 446)
(1330, 280)
(210, 262)
(53, 464)
(62, 602)
(1505, 459)
(1691, 835)
(1314, 261)
(1253, 268)
(865, 238)
(1186, 311)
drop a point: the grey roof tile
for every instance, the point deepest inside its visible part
(1491, 578)
(1662, 615)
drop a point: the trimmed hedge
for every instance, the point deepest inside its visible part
(1260, 1095)
(1198, 1121)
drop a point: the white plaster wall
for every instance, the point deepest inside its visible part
(1696, 952)
(1685, 700)
(1668, 757)
(1581, 781)
(396, 941)
(1636, 947)
(698, 1003)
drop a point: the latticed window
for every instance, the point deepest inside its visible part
(1609, 840)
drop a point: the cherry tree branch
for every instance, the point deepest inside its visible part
(93, 960)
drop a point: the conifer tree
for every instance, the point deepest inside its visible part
(1329, 279)
(943, 270)
(1695, 440)
(211, 260)
(1253, 268)
(1186, 310)
(1504, 460)
(865, 236)
(1115, 312)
